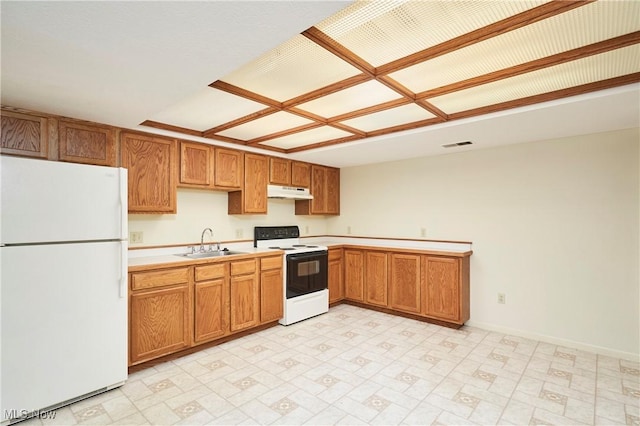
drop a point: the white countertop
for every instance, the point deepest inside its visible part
(150, 256)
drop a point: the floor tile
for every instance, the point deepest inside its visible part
(356, 366)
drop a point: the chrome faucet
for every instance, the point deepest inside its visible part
(202, 238)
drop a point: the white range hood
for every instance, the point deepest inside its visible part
(288, 192)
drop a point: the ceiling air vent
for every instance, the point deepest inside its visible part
(451, 145)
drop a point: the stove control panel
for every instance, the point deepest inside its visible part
(261, 233)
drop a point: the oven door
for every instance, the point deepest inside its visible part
(306, 273)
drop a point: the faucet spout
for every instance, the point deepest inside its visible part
(202, 238)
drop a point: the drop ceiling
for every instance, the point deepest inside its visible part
(377, 68)
(334, 82)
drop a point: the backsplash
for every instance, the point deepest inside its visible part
(199, 209)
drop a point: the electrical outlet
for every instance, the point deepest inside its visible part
(136, 237)
(423, 232)
(239, 233)
(306, 229)
(348, 229)
(501, 298)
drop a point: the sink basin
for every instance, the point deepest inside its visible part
(210, 254)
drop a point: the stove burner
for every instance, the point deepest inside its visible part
(299, 245)
(282, 248)
(312, 246)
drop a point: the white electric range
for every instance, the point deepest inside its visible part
(305, 268)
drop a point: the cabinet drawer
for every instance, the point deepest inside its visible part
(209, 272)
(243, 267)
(165, 277)
(271, 262)
(335, 254)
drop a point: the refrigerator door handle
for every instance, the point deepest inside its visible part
(124, 266)
(124, 210)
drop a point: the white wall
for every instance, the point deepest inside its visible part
(555, 226)
(199, 209)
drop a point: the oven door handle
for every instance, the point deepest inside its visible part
(307, 255)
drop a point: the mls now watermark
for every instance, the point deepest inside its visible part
(15, 414)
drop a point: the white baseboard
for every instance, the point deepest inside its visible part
(557, 341)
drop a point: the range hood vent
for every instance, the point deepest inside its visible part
(288, 192)
(451, 145)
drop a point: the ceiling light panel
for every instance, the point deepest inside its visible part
(266, 125)
(351, 99)
(380, 33)
(607, 65)
(579, 27)
(206, 109)
(319, 134)
(294, 68)
(389, 118)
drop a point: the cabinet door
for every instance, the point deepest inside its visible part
(24, 134)
(271, 295)
(332, 205)
(404, 287)
(151, 163)
(228, 168)
(353, 275)
(280, 171)
(442, 287)
(158, 322)
(255, 183)
(244, 302)
(375, 278)
(80, 143)
(319, 189)
(300, 174)
(211, 310)
(196, 164)
(336, 283)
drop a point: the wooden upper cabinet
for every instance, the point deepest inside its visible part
(151, 162)
(332, 205)
(196, 165)
(375, 278)
(300, 174)
(280, 171)
(229, 170)
(24, 134)
(253, 198)
(405, 283)
(88, 144)
(325, 188)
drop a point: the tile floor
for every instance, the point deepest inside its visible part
(357, 366)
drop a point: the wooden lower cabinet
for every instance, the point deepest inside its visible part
(244, 296)
(211, 302)
(430, 286)
(375, 278)
(335, 279)
(405, 283)
(271, 289)
(171, 309)
(160, 322)
(446, 284)
(354, 275)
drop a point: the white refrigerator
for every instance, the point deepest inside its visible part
(63, 288)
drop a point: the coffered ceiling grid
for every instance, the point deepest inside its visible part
(382, 67)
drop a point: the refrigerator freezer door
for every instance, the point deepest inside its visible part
(50, 201)
(64, 324)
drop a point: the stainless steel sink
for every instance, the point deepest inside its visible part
(210, 254)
